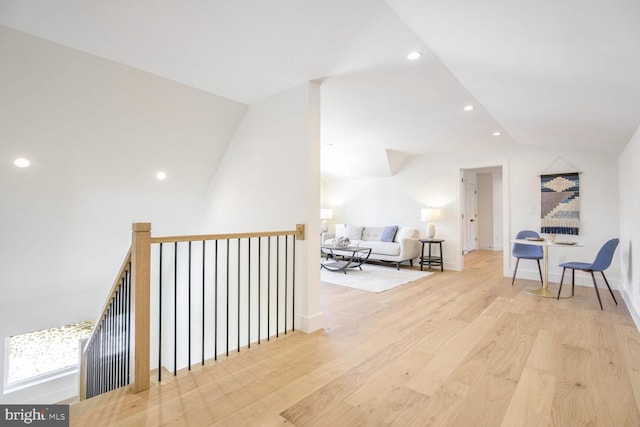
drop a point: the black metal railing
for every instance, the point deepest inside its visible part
(108, 350)
(229, 291)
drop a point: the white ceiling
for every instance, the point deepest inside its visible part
(547, 73)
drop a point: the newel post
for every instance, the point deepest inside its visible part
(141, 301)
(300, 232)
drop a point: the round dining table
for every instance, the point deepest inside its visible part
(546, 244)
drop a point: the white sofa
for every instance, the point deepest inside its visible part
(404, 245)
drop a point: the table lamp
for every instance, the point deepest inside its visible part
(325, 214)
(430, 215)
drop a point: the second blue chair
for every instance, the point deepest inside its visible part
(526, 251)
(601, 263)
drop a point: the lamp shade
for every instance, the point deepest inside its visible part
(430, 214)
(326, 213)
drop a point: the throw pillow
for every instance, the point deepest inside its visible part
(389, 233)
(341, 230)
(354, 232)
(405, 232)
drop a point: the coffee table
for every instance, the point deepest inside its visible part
(344, 257)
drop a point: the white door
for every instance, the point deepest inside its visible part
(471, 218)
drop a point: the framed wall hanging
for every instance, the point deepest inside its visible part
(560, 203)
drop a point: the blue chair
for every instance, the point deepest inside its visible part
(601, 263)
(526, 251)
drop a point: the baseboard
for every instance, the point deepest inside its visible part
(631, 307)
(309, 324)
(449, 266)
(490, 247)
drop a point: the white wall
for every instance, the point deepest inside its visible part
(96, 132)
(269, 179)
(629, 165)
(434, 180)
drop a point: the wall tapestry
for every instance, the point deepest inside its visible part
(560, 196)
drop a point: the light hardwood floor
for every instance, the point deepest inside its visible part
(454, 349)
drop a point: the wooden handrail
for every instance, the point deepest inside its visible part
(103, 313)
(299, 232)
(114, 289)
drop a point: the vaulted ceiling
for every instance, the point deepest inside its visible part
(544, 73)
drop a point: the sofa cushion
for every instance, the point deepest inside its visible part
(405, 232)
(354, 232)
(341, 230)
(372, 233)
(389, 233)
(381, 248)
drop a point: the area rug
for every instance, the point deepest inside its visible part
(372, 278)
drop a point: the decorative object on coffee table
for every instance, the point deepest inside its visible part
(342, 242)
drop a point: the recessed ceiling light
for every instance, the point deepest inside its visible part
(496, 133)
(413, 56)
(468, 108)
(161, 175)
(22, 162)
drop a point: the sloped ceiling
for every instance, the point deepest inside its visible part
(547, 73)
(553, 73)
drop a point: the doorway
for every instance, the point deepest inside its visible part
(470, 217)
(481, 207)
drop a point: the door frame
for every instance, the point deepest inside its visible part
(506, 253)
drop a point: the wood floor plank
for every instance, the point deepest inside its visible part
(380, 386)
(491, 370)
(575, 401)
(615, 392)
(341, 414)
(546, 351)
(513, 346)
(487, 399)
(629, 340)
(322, 402)
(400, 407)
(428, 379)
(531, 402)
